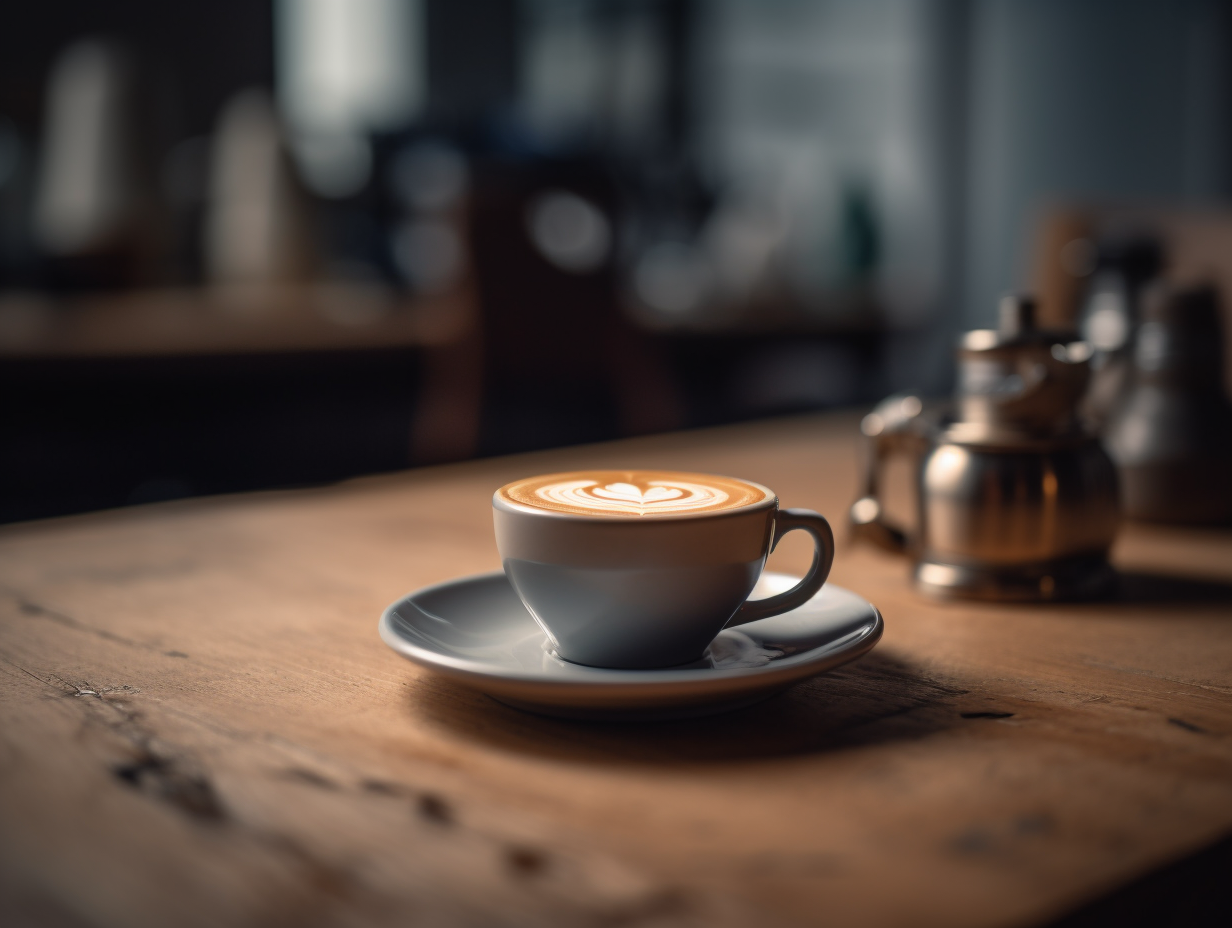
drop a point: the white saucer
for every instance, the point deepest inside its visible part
(476, 630)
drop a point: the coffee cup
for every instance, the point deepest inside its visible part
(641, 568)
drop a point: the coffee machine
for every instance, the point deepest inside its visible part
(1015, 500)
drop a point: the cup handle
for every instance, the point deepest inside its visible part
(823, 557)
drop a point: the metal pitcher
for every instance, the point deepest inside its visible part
(1015, 500)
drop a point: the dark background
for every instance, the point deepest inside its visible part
(804, 203)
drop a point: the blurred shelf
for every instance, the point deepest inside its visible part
(853, 312)
(187, 322)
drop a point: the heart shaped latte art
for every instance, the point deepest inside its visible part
(627, 492)
(658, 496)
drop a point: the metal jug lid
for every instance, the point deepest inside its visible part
(1019, 383)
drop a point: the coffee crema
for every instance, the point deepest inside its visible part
(633, 493)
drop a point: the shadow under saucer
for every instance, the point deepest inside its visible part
(879, 698)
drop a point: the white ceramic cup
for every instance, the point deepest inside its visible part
(650, 592)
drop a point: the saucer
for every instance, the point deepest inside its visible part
(475, 630)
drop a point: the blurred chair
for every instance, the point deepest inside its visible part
(562, 364)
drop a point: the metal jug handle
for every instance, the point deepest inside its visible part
(892, 427)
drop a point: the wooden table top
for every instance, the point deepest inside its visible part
(199, 726)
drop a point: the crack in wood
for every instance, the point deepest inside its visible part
(435, 809)
(155, 767)
(998, 838)
(526, 861)
(33, 609)
(1188, 726)
(310, 778)
(665, 904)
(429, 806)
(163, 772)
(169, 774)
(167, 778)
(383, 788)
(327, 879)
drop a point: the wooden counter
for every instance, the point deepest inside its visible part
(199, 726)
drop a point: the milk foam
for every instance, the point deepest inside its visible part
(633, 493)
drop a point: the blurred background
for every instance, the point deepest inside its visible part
(250, 244)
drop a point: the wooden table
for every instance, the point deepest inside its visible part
(201, 727)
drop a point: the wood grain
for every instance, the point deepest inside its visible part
(201, 727)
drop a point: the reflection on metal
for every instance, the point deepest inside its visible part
(1015, 500)
(1122, 266)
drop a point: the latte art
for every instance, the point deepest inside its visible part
(659, 496)
(633, 493)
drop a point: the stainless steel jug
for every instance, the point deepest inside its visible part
(1015, 500)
